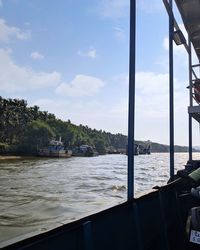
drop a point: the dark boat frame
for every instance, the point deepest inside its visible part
(157, 220)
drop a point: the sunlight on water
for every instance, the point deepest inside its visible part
(36, 194)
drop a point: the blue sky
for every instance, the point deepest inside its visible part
(70, 57)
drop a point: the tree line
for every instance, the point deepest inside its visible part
(23, 130)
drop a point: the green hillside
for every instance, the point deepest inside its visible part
(161, 148)
(23, 130)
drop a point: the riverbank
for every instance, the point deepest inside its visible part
(10, 157)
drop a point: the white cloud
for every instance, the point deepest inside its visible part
(166, 43)
(36, 55)
(114, 8)
(14, 78)
(122, 79)
(81, 85)
(9, 32)
(119, 33)
(68, 109)
(151, 83)
(152, 108)
(89, 112)
(151, 102)
(60, 108)
(120, 108)
(92, 53)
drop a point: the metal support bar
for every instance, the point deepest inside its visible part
(196, 65)
(131, 113)
(190, 99)
(190, 136)
(193, 72)
(171, 93)
(190, 70)
(191, 67)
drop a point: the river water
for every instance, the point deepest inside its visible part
(38, 194)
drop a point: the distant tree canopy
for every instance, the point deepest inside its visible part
(24, 129)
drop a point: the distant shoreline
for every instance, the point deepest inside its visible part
(19, 157)
(10, 157)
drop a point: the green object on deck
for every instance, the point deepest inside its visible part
(195, 175)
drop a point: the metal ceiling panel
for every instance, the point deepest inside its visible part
(190, 12)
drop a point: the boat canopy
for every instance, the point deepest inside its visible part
(190, 12)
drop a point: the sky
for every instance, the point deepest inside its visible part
(71, 58)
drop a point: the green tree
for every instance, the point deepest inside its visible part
(100, 146)
(38, 134)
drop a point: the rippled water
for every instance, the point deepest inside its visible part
(37, 194)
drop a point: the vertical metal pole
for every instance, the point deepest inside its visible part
(131, 113)
(171, 92)
(191, 102)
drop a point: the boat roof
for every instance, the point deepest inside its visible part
(190, 13)
(55, 143)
